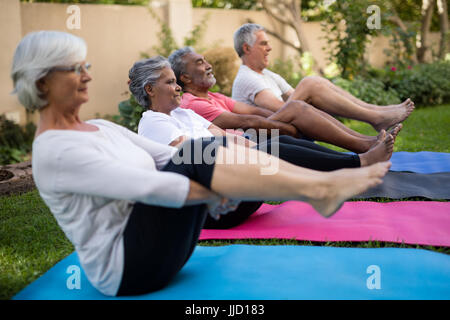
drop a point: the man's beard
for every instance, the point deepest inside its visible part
(206, 82)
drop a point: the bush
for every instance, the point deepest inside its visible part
(288, 69)
(130, 114)
(225, 64)
(15, 141)
(369, 90)
(425, 84)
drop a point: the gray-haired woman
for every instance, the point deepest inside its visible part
(132, 213)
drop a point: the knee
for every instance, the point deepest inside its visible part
(297, 106)
(311, 83)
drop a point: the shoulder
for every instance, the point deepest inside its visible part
(103, 123)
(55, 147)
(151, 119)
(218, 96)
(152, 115)
(245, 73)
(271, 73)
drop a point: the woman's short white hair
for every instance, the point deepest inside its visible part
(37, 53)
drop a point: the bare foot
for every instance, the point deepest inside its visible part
(382, 151)
(395, 130)
(403, 104)
(395, 115)
(346, 183)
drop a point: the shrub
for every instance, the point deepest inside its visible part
(225, 64)
(425, 84)
(369, 90)
(15, 141)
(288, 69)
(130, 113)
(346, 42)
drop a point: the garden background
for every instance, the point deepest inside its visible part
(404, 54)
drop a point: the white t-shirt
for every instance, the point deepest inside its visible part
(248, 83)
(164, 129)
(90, 180)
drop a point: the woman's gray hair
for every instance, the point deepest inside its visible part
(37, 53)
(143, 72)
(178, 64)
(245, 34)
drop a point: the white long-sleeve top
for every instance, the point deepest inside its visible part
(90, 180)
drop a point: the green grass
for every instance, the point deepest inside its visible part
(31, 241)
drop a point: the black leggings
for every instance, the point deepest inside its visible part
(299, 152)
(158, 241)
(310, 155)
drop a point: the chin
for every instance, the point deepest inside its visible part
(211, 83)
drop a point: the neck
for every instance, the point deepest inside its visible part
(156, 108)
(52, 117)
(197, 91)
(251, 65)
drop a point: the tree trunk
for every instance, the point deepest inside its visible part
(290, 16)
(443, 21)
(399, 22)
(427, 14)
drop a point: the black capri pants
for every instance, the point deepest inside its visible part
(158, 241)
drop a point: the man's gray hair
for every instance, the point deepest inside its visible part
(37, 53)
(178, 64)
(245, 34)
(145, 72)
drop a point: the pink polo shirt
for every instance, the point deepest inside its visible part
(208, 108)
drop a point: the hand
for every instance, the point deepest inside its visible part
(221, 206)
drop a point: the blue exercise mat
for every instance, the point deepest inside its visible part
(244, 272)
(421, 162)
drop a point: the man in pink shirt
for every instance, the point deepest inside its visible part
(195, 76)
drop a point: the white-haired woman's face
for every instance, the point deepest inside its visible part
(66, 88)
(165, 93)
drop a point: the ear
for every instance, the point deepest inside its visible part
(246, 48)
(42, 85)
(185, 78)
(149, 89)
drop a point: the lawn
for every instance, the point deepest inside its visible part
(31, 241)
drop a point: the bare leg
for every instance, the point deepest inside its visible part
(342, 126)
(315, 125)
(325, 191)
(323, 96)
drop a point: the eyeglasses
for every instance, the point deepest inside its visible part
(77, 68)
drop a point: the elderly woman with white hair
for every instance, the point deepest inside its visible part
(132, 211)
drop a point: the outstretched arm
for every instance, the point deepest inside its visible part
(266, 99)
(243, 108)
(230, 120)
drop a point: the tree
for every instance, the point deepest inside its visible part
(443, 18)
(347, 28)
(427, 14)
(289, 14)
(422, 10)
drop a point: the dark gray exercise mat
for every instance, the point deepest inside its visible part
(399, 185)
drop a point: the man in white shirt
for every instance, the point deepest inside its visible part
(255, 85)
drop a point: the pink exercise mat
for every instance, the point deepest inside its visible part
(411, 222)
